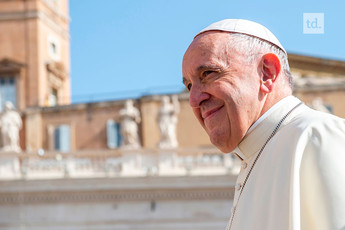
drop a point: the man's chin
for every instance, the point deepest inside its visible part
(222, 145)
(226, 150)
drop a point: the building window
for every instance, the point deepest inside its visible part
(8, 91)
(54, 48)
(62, 138)
(330, 108)
(53, 97)
(113, 134)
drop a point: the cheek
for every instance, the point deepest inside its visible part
(226, 91)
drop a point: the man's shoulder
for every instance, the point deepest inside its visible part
(318, 133)
(310, 121)
(312, 117)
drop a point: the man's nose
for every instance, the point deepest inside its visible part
(197, 96)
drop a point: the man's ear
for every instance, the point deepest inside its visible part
(270, 69)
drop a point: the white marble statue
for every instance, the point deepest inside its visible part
(167, 120)
(10, 123)
(129, 118)
(318, 104)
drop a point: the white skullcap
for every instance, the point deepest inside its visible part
(244, 27)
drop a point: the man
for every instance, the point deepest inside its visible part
(292, 174)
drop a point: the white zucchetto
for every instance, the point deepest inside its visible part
(244, 27)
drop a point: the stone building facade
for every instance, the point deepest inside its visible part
(74, 173)
(34, 52)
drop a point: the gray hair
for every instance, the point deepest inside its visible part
(254, 46)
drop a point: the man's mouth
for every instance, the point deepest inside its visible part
(211, 112)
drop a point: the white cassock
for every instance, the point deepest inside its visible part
(298, 181)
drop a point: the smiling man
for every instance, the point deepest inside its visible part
(240, 88)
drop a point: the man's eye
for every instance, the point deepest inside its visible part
(189, 86)
(208, 72)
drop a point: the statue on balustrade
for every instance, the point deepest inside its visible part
(129, 118)
(167, 121)
(10, 124)
(318, 104)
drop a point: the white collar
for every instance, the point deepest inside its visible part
(268, 112)
(263, 127)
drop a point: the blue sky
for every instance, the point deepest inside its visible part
(131, 48)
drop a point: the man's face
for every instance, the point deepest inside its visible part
(224, 89)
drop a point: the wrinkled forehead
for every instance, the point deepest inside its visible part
(208, 46)
(206, 43)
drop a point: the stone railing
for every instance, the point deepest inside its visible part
(117, 163)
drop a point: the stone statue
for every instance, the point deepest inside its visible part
(129, 118)
(10, 123)
(318, 104)
(167, 120)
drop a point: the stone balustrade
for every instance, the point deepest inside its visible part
(117, 163)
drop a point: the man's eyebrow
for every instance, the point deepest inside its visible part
(209, 67)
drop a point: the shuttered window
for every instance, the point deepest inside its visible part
(62, 138)
(8, 91)
(113, 134)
